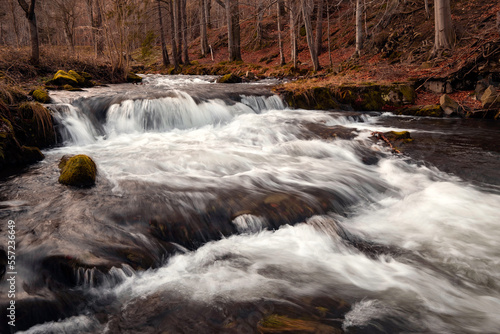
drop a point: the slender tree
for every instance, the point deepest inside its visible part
(427, 11)
(359, 27)
(203, 29)
(164, 52)
(175, 56)
(233, 29)
(293, 31)
(319, 27)
(444, 34)
(280, 42)
(306, 13)
(30, 15)
(185, 50)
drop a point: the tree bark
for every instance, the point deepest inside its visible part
(319, 27)
(175, 56)
(30, 15)
(203, 29)
(178, 28)
(14, 22)
(164, 52)
(444, 34)
(293, 32)
(359, 27)
(427, 12)
(233, 29)
(280, 42)
(185, 45)
(208, 7)
(306, 13)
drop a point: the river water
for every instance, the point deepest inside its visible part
(217, 209)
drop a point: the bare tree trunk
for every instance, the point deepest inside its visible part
(208, 8)
(164, 52)
(175, 56)
(306, 13)
(293, 32)
(30, 15)
(258, 25)
(185, 45)
(14, 22)
(427, 12)
(203, 29)
(444, 34)
(99, 34)
(280, 42)
(328, 22)
(319, 27)
(359, 27)
(178, 29)
(233, 29)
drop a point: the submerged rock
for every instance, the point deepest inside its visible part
(79, 171)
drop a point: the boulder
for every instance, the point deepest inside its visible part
(80, 79)
(481, 86)
(41, 95)
(490, 98)
(62, 78)
(78, 171)
(449, 106)
(438, 86)
(230, 78)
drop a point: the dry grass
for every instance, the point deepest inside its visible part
(41, 117)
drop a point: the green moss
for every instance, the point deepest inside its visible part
(71, 88)
(62, 78)
(78, 171)
(372, 100)
(80, 79)
(41, 96)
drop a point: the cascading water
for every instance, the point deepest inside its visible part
(228, 212)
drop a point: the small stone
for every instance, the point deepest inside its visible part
(449, 106)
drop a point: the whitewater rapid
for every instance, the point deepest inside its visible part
(408, 247)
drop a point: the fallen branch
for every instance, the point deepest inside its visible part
(380, 135)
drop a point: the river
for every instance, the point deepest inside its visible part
(217, 209)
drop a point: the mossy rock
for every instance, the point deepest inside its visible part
(132, 77)
(80, 79)
(230, 78)
(62, 78)
(408, 92)
(41, 95)
(78, 171)
(32, 154)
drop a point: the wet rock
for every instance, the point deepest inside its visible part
(134, 78)
(484, 114)
(449, 106)
(490, 98)
(12, 154)
(79, 171)
(230, 78)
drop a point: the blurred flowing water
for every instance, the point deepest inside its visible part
(217, 207)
